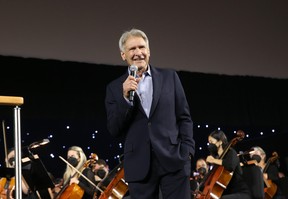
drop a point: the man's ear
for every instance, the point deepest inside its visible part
(123, 56)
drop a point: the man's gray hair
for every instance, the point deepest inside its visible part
(135, 33)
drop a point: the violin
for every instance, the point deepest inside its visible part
(6, 188)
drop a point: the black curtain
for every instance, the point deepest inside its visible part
(64, 101)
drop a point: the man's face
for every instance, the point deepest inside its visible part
(136, 53)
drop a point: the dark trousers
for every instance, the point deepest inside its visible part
(162, 184)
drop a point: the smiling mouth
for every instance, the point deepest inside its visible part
(139, 57)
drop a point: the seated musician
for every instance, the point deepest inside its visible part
(236, 188)
(270, 172)
(201, 170)
(100, 169)
(71, 178)
(26, 193)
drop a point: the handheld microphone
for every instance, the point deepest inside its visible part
(133, 70)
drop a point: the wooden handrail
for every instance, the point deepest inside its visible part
(11, 100)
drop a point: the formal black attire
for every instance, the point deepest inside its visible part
(237, 187)
(158, 145)
(88, 188)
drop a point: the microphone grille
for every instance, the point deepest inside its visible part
(133, 68)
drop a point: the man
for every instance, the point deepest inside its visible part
(155, 122)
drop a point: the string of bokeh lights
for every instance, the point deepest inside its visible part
(201, 132)
(260, 133)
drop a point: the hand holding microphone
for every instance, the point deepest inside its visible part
(133, 71)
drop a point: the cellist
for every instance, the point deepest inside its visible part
(270, 173)
(77, 158)
(236, 188)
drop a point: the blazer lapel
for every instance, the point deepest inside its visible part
(157, 85)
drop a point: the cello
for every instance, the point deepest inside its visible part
(217, 179)
(74, 191)
(271, 187)
(114, 185)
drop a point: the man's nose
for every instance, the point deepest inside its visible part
(137, 51)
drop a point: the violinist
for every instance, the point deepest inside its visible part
(201, 170)
(237, 188)
(9, 192)
(77, 158)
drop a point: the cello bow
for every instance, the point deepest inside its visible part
(81, 174)
(5, 143)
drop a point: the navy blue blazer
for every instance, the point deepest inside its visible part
(168, 130)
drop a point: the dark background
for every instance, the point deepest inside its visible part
(61, 94)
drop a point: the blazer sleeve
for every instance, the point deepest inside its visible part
(118, 110)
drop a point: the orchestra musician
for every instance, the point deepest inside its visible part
(270, 173)
(236, 188)
(201, 169)
(72, 181)
(100, 169)
(9, 191)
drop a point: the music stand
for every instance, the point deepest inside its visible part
(36, 175)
